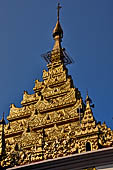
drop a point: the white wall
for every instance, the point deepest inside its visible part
(106, 167)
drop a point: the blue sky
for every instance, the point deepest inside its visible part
(26, 33)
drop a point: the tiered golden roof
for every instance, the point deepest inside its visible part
(53, 121)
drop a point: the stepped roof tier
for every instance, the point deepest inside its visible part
(53, 121)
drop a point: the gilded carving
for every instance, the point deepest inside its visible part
(52, 122)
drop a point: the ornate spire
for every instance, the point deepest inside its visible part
(57, 55)
(57, 32)
(88, 101)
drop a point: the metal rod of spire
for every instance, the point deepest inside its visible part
(58, 11)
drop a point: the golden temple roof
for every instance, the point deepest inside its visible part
(54, 121)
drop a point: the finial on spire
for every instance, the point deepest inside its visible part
(57, 32)
(3, 115)
(88, 101)
(88, 98)
(86, 92)
(58, 11)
